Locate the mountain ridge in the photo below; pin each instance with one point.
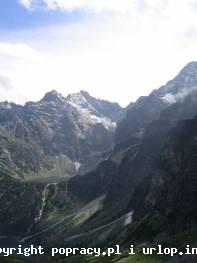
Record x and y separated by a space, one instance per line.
58 126
148 108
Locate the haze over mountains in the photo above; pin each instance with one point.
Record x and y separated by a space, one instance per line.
84 171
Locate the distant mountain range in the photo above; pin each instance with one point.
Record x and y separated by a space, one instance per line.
83 171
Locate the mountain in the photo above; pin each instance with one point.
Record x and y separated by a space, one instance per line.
141 191
148 108
155 155
42 144
78 120
148 195
55 135
128 199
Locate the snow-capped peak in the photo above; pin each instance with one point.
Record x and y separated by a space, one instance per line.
87 112
77 99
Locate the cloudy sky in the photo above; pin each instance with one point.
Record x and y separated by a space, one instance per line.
114 49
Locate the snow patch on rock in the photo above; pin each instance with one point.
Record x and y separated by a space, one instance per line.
77 165
129 218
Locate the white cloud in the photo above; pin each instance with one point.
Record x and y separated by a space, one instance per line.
96 6
127 49
130 7
180 96
5 83
26 3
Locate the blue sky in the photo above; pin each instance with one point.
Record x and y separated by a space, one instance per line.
114 49
13 16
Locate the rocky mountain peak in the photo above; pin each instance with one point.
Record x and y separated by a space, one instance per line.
188 75
190 68
148 108
84 101
184 81
77 99
84 93
53 96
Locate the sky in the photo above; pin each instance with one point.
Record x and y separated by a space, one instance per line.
115 49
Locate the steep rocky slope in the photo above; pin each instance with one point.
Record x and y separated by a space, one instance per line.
148 108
